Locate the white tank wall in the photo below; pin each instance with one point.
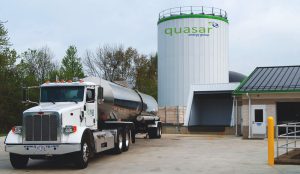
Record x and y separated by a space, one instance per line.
184 60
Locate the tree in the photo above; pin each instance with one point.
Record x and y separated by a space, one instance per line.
4 39
39 63
71 64
146 75
6 57
112 63
10 107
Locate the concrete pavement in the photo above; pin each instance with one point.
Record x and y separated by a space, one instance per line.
171 154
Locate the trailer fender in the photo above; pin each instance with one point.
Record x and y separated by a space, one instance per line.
13 138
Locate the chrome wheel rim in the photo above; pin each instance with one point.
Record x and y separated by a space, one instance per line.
158 131
127 140
85 152
120 142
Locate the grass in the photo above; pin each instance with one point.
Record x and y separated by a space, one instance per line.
1 135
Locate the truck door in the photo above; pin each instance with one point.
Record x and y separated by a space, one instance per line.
90 112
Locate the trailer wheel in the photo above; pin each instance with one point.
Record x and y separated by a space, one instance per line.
159 131
155 132
151 132
119 144
126 140
18 161
132 136
81 158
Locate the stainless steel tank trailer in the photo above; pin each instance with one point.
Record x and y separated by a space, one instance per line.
80 119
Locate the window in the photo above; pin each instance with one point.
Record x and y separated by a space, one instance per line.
90 95
62 94
259 115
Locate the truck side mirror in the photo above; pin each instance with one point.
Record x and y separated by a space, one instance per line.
24 95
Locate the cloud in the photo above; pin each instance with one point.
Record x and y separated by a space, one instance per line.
262 33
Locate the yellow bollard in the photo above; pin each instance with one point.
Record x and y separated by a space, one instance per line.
271 141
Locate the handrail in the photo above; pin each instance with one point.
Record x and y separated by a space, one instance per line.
291 136
192 10
287 134
284 145
288 124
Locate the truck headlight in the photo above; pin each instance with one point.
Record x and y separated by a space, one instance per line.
17 129
70 129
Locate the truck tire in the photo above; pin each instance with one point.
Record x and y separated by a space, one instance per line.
126 140
18 161
132 136
159 131
155 132
119 144
81 158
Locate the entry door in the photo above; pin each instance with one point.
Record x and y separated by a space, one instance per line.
258 120
90 113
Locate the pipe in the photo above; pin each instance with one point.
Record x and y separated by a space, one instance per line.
249 115
236 109
235 114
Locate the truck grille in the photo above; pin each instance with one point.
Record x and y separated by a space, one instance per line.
41 127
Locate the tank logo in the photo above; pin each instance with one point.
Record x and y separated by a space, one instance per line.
192 31
214 24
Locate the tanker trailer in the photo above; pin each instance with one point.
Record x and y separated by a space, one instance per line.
124 104
80 119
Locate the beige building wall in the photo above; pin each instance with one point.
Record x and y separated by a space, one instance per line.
269 100
172 115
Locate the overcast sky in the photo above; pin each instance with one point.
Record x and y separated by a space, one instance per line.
262 32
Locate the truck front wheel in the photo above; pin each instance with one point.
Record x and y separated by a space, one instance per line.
18 161
81 158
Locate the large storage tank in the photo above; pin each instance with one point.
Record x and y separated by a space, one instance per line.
192 49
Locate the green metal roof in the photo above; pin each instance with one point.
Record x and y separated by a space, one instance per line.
278 79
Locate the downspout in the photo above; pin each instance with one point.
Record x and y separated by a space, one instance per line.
235 114
249 115
236 111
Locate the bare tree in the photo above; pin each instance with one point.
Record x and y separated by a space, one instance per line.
90 66
112 63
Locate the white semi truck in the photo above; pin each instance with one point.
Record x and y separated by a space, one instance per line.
80 119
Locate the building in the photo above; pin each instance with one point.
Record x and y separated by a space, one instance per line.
268 91
193 66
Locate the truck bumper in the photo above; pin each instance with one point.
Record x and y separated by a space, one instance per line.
42 149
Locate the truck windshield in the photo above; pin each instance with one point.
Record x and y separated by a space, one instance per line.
62 94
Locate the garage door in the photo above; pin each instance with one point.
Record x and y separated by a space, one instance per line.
288 112
211 110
